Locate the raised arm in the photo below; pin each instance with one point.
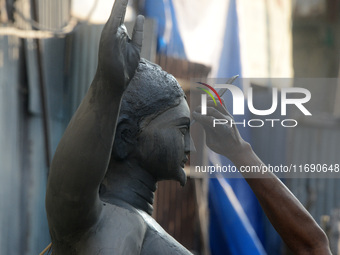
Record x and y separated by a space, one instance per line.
83 154
291 220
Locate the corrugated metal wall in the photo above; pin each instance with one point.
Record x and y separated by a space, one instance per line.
50 14
23 167
11 127
53 14
316 145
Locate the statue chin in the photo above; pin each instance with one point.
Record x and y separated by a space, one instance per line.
182 177
178 175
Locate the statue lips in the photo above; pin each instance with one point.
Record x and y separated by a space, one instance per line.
184 161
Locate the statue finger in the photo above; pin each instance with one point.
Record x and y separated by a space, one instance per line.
205 120
222 108
212 111
138 32
117 15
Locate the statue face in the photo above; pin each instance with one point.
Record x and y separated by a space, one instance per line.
164 143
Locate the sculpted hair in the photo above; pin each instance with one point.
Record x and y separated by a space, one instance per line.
150 92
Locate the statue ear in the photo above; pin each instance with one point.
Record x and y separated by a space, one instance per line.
125 139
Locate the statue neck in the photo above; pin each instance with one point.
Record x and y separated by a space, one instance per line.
129 184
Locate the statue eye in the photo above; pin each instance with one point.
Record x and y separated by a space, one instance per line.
184 129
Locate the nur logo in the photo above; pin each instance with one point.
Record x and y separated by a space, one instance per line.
204 96
239 99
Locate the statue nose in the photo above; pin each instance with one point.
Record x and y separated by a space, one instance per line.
189 145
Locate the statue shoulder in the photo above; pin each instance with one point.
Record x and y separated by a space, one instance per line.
157 240
122 219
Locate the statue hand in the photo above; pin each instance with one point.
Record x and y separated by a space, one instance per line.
118 54
223 139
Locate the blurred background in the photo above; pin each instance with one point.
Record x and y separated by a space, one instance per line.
48 57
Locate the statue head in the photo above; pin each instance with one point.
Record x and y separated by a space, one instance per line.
153 125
